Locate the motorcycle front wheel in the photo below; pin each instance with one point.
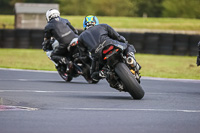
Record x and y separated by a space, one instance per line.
65 76
131 84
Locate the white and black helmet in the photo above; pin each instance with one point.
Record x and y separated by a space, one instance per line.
52 13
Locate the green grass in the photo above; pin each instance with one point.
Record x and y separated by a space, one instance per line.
127 23
33 59
169 66
164 66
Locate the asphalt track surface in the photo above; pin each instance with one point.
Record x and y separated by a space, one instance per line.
41 102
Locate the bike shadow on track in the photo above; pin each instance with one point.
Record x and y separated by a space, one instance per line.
99 96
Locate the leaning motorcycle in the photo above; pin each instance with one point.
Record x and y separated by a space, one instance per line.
78 66
120 73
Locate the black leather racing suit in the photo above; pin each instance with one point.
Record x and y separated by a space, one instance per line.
63 32
91 38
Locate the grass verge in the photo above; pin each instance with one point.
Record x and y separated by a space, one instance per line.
164 66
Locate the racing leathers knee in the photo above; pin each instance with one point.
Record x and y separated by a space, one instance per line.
59 54
94 69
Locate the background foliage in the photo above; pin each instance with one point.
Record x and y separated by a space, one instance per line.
133 8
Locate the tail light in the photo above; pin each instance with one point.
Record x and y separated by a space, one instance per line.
107 50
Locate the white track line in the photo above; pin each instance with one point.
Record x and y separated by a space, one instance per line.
170 79
11 69
40 91
126 109
90 92
13 108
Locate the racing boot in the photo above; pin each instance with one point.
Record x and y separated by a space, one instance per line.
96 76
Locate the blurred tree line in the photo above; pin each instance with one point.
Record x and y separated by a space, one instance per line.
131 8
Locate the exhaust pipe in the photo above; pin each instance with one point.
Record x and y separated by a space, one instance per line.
131 61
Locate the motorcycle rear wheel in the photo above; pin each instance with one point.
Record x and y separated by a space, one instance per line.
128 79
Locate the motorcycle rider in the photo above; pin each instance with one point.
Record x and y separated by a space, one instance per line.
95 34
198 56
61 30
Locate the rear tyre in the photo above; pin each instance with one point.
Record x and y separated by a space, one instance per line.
128 79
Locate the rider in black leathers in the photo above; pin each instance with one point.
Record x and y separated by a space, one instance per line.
61 30
96 34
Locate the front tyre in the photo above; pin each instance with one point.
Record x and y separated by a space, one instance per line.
128 79
65 76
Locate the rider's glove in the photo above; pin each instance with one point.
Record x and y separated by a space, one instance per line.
122 39
45 45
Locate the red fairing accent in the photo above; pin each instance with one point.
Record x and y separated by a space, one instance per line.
106 51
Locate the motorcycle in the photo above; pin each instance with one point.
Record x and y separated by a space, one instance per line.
77 66
118 69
